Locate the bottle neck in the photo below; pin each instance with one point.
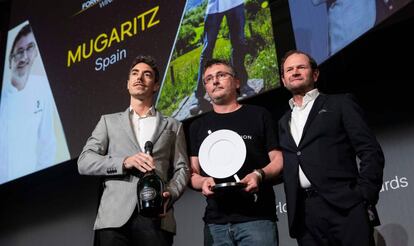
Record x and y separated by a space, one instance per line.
148 173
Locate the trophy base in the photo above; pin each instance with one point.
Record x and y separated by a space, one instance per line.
228 186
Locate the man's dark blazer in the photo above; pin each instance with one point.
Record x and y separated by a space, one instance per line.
335 133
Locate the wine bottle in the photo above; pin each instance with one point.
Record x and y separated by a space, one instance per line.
150 189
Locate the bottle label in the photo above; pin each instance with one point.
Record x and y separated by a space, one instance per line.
147 194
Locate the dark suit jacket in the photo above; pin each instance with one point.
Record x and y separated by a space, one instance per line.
334 134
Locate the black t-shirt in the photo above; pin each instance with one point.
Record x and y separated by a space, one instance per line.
256 127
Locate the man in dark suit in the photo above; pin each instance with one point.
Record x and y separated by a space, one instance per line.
115 151
330 195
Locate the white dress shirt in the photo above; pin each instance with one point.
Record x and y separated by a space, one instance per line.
144 126
297 123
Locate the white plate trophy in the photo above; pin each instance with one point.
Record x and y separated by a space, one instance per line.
221 155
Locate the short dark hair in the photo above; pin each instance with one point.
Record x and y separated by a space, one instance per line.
150 61
26 30
211 62
312 61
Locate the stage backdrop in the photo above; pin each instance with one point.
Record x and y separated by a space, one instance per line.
87 46
395 206
60 207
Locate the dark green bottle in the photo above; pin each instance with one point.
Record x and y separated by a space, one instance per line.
150 200
150 189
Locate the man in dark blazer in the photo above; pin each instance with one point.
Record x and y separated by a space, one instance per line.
116 151
330 195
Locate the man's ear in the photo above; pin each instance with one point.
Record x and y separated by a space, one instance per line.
237 81
315 75
283 81
156 86
36 53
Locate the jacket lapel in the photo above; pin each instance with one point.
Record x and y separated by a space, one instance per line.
126 125
160 123
285 127
317 105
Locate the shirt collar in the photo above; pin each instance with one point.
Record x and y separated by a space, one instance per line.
150 113
309 96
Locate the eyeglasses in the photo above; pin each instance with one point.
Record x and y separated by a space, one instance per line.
20 52
219 75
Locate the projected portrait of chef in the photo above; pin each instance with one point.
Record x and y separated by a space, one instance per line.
31 134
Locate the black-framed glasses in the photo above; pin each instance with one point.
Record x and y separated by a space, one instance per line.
219 75
19 54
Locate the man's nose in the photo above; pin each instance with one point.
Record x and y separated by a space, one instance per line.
295 72
25 56
215 80
140 76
